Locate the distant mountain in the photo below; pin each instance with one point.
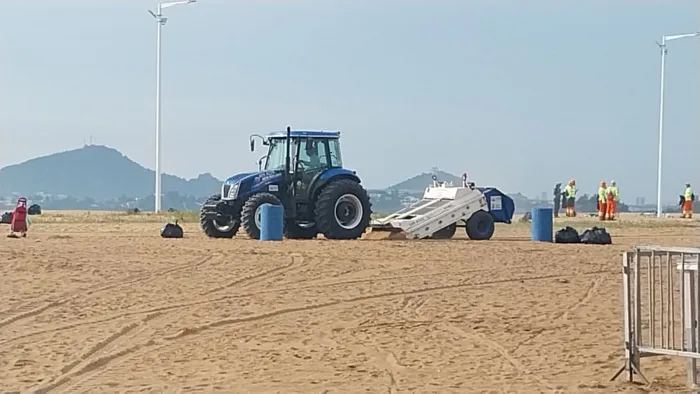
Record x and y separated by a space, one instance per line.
96 172
99 177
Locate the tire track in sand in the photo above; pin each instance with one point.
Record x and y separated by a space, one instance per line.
81 293
120 345
98 355
111 361
312 284
495 346
284 311
563 315
296 260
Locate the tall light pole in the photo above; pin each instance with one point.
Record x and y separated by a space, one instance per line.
662 45
160 20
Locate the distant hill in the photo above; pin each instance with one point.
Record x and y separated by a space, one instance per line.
96 172
99 177
419 182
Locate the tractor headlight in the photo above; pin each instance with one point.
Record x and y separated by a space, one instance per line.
233 191
229 191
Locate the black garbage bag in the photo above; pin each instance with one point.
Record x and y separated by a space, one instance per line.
596 236
681 200
172 230
34 209
567 235
6 218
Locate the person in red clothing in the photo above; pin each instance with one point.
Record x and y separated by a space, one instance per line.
19 219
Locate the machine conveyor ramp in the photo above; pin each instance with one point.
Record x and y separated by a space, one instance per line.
442 205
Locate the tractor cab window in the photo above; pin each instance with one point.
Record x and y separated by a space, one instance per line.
276 154
313 155
334 148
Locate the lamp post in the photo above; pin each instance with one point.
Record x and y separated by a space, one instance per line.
160 20
662 45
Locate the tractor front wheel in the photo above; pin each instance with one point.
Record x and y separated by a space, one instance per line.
250 214
343 210
216 228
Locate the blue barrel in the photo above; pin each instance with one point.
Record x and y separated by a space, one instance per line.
542 226
271 222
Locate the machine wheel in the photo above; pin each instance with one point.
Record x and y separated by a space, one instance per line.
343 210
295 230
250 214
445 233
480 226
214 228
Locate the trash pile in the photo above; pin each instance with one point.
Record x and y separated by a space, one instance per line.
172 230
592 236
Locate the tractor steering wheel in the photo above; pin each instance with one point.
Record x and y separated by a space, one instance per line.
303 164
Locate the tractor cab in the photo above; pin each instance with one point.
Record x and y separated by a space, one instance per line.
311 153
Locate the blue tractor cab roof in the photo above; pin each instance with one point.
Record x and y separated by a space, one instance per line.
305 134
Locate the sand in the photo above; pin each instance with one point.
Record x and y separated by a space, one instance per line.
112 307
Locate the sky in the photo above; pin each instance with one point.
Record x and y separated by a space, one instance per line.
518 94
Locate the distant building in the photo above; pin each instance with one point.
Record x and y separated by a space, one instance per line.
639 201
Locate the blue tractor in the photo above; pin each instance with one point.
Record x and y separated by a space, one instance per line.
303 171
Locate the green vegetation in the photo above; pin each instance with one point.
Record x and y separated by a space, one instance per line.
69 217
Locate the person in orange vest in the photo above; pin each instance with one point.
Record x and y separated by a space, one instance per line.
602 201
688 202
613 197
570 193
19 222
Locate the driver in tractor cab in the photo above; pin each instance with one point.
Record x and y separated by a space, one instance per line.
312 152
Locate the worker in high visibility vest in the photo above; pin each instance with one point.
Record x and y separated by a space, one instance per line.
570 193
612 196
602 190
557 199
688 202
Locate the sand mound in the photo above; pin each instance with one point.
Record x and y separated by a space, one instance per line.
378 235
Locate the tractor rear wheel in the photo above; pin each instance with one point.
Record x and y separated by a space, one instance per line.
250 214
215 228
445 233
343 210
480 226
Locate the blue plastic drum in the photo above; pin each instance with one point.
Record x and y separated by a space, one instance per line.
271 222
542 225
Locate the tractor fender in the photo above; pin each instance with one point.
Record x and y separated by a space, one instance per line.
328 176
501 207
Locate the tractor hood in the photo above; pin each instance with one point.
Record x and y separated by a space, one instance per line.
256 177
240 185
238 177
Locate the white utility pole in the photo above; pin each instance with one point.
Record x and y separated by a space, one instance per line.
664 40
160 20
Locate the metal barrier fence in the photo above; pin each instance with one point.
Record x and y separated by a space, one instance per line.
661 307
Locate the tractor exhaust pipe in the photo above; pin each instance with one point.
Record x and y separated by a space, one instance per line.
287 159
